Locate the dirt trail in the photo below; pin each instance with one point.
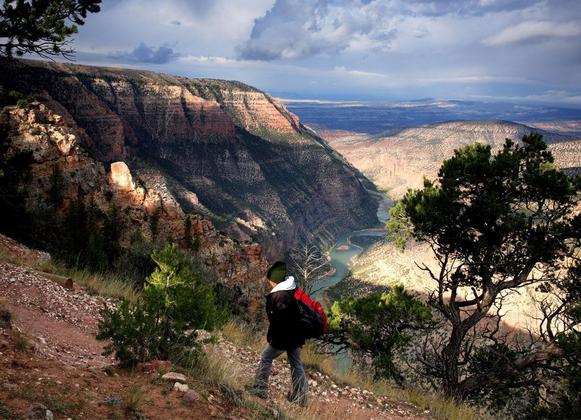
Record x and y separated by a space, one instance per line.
328 399
51 356
61 322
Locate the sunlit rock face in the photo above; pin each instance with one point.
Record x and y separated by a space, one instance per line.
402 160
121 176
223 149
53 147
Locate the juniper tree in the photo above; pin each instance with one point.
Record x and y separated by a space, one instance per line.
496 223
41 26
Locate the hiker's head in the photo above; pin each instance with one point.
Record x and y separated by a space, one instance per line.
276 272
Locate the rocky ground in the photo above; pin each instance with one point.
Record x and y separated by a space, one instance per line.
51 366
328 399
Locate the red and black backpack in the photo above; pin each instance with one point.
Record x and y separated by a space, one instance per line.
313 319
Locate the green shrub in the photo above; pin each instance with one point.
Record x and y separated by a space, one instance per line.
174 303
375 325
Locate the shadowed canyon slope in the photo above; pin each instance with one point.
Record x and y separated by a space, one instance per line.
400 161
222 149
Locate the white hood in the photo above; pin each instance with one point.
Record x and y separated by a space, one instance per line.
287 284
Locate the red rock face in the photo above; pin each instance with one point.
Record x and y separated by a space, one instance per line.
216 147
137 195
256 111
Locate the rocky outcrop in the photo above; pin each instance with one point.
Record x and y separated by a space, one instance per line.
220 149
402 160
55 148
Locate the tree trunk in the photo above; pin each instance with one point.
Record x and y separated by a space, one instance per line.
450 355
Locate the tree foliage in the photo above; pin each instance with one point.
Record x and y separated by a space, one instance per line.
173 305
41 26
496 223
376 325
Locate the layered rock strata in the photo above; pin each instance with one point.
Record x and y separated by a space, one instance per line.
223 149
54 145
402 160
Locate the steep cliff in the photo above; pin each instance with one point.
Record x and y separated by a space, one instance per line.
223 149
53 146
401 161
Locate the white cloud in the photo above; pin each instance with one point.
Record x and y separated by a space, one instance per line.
296 29
534 31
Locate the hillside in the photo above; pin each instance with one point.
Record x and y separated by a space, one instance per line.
400 161
50 360
222 149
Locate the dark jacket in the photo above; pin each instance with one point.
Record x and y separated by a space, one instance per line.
284 320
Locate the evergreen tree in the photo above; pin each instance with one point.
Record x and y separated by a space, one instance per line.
173 305
376 325
495 223
41 26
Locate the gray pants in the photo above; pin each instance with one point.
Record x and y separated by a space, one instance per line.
300 385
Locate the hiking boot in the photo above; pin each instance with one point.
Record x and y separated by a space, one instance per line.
259 391
295 399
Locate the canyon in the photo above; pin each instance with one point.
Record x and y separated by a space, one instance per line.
219 150
402 159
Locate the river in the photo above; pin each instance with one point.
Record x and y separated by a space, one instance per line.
344 250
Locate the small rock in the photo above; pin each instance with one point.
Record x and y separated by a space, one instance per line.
191 396
175 377
181 387
38 411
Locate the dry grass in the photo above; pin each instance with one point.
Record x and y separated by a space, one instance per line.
439 406
241 333
104 284
21 342
133 399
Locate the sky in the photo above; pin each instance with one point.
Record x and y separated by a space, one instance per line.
374 50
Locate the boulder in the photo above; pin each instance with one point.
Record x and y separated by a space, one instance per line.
175 377
181 387
191 396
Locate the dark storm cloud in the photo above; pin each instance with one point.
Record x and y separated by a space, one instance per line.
145 54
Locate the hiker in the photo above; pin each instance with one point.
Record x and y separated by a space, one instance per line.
284 334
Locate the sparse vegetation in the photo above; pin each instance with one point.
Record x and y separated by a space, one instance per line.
133 399
376 325
5 318
174 303
498 223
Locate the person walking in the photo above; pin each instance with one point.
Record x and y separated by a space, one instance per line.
284 335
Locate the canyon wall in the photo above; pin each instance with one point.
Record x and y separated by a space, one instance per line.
402 160
54 145
224 150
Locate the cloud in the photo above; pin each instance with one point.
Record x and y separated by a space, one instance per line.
421 32
145 54
463 7
297 29
528 32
